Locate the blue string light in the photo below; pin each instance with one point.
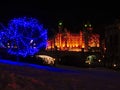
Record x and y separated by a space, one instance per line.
2 36
25 36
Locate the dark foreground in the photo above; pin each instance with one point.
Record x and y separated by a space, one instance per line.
35 77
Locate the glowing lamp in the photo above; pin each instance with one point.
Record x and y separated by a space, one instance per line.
60 24
83 46
85 25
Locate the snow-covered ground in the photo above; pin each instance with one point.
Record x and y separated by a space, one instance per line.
23 76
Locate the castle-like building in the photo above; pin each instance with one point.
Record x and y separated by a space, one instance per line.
64 40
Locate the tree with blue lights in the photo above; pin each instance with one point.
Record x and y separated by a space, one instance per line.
2 35
25 36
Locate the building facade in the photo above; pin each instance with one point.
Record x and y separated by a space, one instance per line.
85 40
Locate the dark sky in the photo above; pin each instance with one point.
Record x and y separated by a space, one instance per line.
73 14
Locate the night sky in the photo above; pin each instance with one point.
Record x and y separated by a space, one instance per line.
73 14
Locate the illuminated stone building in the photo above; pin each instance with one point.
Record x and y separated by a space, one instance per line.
64 40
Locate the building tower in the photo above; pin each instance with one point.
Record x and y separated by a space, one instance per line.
87 30
60 28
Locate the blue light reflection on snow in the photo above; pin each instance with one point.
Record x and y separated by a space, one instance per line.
48 68
100 73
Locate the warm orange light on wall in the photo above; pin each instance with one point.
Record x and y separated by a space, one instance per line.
72 42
